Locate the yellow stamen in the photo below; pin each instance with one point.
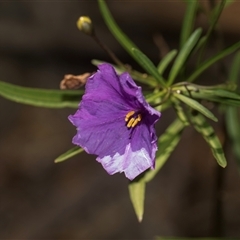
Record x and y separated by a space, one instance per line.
132 120
137 120
131 113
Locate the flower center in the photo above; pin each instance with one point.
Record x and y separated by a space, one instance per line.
132 119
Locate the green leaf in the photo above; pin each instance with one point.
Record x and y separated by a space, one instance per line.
222 93
126 43
212 60
202 126
179 110
137 196
233 129
200 44
214 17
189 20
166 60
40 97
70 153
183 54
235 67
196 105
229 2
224 101
149 67
213 94
232 114
166 144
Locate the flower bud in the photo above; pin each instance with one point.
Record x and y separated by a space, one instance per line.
85 25
74 81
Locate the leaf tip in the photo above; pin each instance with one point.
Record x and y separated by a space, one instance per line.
223 165
140 218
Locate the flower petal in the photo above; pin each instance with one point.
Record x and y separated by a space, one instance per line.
100 131
132 163
105 85
101 125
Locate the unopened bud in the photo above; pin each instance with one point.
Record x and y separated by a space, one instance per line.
85 25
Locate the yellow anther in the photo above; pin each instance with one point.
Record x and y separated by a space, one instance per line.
131 121
131 113
137 120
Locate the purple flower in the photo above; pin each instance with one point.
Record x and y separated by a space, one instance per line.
115 122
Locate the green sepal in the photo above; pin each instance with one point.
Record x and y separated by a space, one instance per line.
70 153
41 97
206 130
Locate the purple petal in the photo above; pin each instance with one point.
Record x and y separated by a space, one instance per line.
101 126
132 163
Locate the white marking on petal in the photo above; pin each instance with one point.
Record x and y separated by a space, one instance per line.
132 163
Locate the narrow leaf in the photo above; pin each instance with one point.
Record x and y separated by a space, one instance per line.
196 105
213 60
202 126
214 17
224 101
234 71
70 153
179 110
137 196
166 61
166 144
229 2
232 114
126 43
189 20
149 67
233 129
40 97
183 54
213 93
222 93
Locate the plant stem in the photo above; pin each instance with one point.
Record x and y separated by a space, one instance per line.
108 51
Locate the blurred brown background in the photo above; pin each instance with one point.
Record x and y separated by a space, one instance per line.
39 44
